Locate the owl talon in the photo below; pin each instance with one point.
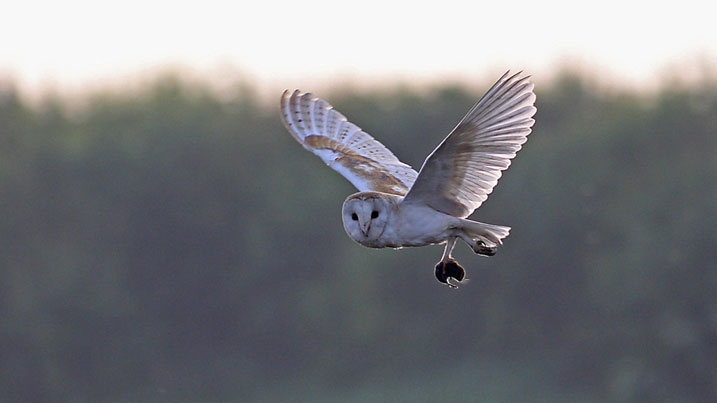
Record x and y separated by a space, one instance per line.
449 269
482 249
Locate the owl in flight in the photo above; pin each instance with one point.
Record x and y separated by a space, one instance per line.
395 205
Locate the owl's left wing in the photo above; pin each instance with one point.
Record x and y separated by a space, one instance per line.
461 172
343 146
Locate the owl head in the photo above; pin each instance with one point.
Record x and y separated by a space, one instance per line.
365 216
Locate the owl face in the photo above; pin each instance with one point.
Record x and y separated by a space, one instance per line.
365 216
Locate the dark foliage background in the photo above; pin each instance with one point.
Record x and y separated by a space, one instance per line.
173 244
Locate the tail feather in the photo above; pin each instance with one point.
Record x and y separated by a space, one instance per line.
485 232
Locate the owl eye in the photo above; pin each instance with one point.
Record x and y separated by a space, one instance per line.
354 216
374 214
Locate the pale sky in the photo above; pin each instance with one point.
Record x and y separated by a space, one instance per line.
72 44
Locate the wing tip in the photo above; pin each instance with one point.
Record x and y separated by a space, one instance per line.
289 105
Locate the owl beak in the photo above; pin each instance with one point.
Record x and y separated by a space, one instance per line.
365 228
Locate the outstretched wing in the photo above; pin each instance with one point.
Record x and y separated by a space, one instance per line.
343 146
460 173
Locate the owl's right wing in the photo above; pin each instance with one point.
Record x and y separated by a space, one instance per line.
343 146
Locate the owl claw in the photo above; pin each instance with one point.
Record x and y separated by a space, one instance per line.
482 249
449 269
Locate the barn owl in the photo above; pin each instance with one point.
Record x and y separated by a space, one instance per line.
398 207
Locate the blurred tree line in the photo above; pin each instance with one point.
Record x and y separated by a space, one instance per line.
176 244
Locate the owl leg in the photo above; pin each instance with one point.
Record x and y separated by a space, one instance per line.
448 249
448 268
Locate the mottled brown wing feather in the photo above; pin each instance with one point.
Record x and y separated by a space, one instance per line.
343 146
